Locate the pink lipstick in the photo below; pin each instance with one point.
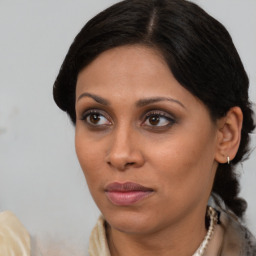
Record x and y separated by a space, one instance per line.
126 193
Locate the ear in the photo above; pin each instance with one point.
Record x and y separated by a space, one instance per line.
229 135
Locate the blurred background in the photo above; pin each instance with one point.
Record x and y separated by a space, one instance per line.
40 178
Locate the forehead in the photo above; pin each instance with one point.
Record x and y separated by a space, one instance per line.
129 73
127 65
126 60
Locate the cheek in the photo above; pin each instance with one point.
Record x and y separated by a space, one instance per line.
89 156
90 161
186 161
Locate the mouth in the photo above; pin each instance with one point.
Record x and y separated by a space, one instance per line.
125 194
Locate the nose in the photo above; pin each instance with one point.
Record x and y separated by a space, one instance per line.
125 150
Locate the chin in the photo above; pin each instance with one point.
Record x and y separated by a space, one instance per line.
131 222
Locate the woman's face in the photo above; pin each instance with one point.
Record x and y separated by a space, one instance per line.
146 145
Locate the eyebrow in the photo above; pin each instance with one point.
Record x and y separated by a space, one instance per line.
139 103
94 97
145 102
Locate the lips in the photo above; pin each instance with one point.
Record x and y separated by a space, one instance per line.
126 194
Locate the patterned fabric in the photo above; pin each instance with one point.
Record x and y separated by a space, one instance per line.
230 238
14 239
236 239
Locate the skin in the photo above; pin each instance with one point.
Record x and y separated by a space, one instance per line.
170 145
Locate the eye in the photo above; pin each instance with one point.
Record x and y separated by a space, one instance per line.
96 118
158 119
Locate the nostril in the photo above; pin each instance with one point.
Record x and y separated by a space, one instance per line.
121 166
128 164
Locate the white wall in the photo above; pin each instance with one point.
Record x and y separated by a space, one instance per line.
40 178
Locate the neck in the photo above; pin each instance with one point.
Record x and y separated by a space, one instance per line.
180 239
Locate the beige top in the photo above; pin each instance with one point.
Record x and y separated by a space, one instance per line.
14 238
230 238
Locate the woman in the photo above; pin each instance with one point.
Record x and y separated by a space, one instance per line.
159 99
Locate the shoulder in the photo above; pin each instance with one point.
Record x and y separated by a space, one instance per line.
236 236
237 240
14 238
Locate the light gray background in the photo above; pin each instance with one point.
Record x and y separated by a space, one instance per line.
40 178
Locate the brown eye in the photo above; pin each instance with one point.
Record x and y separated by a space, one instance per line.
158 120
154 120
94 118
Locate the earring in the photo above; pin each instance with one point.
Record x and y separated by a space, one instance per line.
228 159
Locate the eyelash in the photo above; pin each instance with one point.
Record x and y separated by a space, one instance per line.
170 120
